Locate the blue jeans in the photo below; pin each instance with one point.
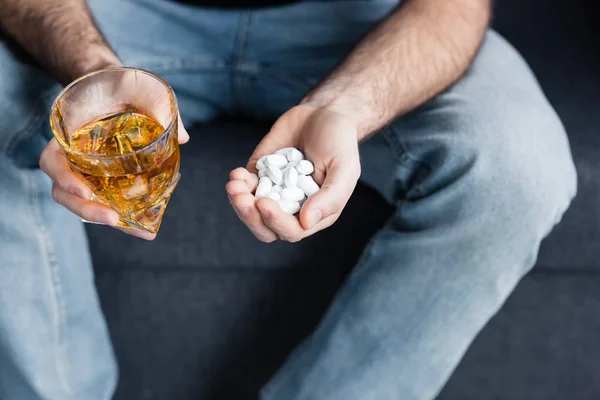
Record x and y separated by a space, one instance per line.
478 176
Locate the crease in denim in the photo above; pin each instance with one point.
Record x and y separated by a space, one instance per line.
31 127
55 285
286 77
193 64
237 79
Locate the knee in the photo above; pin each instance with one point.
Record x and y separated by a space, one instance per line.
523 168
507 139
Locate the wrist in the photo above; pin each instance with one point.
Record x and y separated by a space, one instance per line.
352 111
96 59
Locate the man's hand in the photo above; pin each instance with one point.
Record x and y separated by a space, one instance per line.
328 138
62 36
70 190
416 52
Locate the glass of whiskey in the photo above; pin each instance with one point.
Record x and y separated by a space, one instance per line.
118 127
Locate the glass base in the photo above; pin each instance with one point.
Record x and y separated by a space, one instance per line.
147 220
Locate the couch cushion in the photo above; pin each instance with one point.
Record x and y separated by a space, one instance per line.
209 333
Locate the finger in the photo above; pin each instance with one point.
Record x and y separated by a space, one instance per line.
284 225
236 187
88 210
138 233
245 208
242 174
239 191
285 228
182 134
54 163
324 223
337 188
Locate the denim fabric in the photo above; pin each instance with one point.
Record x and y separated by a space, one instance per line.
478 176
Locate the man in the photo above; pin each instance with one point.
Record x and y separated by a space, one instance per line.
418 99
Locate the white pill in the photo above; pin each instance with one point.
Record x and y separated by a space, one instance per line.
308 185
264 187
291 164
275 174
290 177
292 194
276 160
262 173
289 207
284 151
277 188
295 155
274 195
260 164
305 167
265 180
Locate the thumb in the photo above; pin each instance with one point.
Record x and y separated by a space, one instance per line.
337 188
182 133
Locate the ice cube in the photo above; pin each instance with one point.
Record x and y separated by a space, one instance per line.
125 147
96 136
118 123
138 188
134 135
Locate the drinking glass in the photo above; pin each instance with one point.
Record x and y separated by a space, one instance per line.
118 127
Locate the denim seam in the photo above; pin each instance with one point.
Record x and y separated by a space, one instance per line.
35 121
238 57
400 150
285 77
182 64
55 285
179 65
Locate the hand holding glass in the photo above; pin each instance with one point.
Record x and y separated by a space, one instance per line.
118 128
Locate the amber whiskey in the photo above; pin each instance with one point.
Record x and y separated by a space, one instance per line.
130 162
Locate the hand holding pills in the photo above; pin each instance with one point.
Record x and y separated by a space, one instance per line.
285 177
300 176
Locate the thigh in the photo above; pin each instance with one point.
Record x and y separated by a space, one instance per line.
51 326
493 127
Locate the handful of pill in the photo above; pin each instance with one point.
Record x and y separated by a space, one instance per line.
285 177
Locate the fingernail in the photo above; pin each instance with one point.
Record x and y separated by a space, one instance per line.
314 217
91 222
185 135
146 235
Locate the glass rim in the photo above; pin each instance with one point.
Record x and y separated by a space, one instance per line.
70 86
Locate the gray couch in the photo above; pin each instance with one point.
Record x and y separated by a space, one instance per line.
207 312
